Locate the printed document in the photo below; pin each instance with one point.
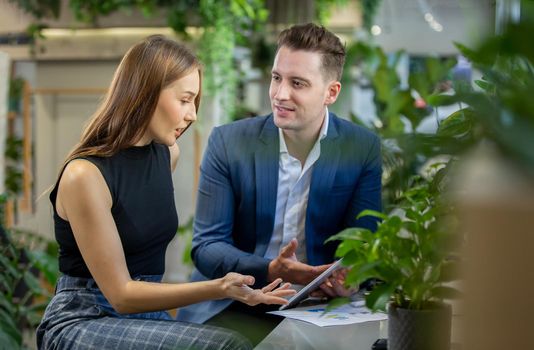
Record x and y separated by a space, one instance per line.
355 312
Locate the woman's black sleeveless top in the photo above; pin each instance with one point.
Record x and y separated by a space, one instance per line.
140 183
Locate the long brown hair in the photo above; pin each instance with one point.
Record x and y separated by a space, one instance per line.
123 117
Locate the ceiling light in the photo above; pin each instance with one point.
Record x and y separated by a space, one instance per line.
376 30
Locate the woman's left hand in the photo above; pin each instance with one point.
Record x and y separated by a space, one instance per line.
236 286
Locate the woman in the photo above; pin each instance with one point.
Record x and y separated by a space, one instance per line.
114 216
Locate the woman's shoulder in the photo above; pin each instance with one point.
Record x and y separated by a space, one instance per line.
80 172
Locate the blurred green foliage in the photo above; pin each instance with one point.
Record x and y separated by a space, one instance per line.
413 250
24 258
404 149
501 108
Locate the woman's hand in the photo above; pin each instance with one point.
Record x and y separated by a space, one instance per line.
236 286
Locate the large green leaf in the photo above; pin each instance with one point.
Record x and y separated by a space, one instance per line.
9 340
47 264
379 297
457 124
32 282
374 213
9 327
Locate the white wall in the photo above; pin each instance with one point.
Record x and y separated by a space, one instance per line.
404 27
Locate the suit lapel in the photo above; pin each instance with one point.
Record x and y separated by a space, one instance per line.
266 160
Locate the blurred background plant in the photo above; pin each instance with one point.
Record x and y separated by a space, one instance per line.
411 252
185 231
224 24
13 150
400 109
500 109
28 272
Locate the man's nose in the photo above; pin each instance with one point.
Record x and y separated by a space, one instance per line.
282 92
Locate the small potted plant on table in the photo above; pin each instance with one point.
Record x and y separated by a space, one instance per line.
411 255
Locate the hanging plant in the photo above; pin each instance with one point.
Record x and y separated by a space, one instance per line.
225 24
323 9
369 10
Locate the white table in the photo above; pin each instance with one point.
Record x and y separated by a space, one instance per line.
300 335
293 334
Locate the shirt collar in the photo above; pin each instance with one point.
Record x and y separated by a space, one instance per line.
322 134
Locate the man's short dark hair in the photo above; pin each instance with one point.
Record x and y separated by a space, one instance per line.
314 38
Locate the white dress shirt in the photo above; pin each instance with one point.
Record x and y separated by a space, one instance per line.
292 197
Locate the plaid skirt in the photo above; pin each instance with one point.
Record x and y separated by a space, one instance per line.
80 317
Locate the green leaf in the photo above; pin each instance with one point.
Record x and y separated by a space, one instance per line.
379 297
468 53
354 233
32 282
442 100
457 124
8 339
47 264
348 246
362 272
374 213
485 85
9 329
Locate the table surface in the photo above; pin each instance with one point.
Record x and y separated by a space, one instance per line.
300 335
296 334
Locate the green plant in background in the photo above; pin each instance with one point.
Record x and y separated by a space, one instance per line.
13 155
502 109
404 149
228 24
412 252
224 23
323 8
369 10
13 151
23 258
186 231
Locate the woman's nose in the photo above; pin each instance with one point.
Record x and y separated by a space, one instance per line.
192 115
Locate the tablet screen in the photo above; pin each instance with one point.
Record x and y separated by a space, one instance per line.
310 287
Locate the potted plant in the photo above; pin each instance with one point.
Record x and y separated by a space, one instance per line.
412 255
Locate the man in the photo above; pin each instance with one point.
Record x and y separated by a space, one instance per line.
274 188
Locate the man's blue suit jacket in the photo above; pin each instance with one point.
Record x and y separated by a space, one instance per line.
237 199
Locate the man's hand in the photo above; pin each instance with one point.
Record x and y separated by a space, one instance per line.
288 268
334 286
236 286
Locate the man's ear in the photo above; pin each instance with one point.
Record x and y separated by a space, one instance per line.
332 92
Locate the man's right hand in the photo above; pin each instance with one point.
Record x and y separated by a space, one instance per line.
288 268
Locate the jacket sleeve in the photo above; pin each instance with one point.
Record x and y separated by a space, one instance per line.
213 250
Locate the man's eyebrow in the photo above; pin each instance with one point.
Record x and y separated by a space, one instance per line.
293 77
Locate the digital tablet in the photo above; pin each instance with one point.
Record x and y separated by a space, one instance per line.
310 287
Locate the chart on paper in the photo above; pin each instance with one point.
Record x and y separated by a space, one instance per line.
355 312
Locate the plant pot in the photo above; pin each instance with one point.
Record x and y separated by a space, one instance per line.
419 329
